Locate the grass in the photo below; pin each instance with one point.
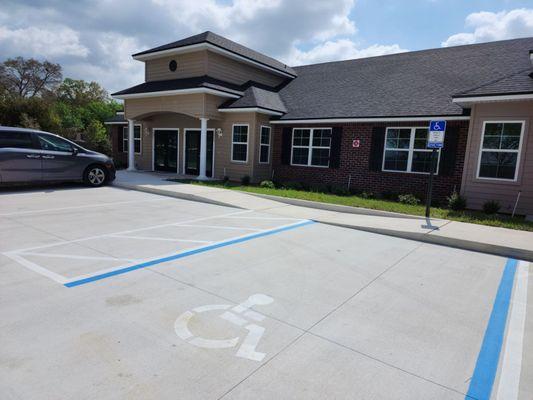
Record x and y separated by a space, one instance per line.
473 217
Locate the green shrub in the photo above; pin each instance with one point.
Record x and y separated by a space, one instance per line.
368 195
409 199
456 202
389 195
245 180
491 207
268 184
341 191
293 186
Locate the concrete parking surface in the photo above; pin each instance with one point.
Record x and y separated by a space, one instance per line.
115 294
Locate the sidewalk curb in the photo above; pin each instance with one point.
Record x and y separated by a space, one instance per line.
334 207
176 195
503 251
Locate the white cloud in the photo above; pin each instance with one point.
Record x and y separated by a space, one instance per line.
490 26
94 39
49 41
341 49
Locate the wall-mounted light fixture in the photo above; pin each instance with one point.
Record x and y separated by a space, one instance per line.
219 132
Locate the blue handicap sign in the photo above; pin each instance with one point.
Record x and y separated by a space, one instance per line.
437 126
436 134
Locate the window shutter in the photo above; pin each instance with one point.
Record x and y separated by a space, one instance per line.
286 145
449 152
120 133
335 153
376 148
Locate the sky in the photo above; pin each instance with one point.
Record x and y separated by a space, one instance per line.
94 39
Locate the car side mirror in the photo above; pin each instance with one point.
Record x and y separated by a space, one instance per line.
75 151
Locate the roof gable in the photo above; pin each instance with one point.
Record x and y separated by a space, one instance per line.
224 44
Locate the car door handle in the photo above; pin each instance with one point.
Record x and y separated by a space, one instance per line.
33 156
49 157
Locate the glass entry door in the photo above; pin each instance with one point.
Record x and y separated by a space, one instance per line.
192 152
166 150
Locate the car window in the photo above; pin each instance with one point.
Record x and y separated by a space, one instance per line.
54 143
16 139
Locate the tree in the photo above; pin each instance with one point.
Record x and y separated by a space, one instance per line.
81 93
28 78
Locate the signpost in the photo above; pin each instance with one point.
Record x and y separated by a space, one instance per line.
435 142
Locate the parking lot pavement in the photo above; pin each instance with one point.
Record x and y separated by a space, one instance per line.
108 293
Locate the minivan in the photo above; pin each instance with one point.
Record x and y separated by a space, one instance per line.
33 156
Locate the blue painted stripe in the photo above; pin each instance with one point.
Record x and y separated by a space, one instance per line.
487 362
184 254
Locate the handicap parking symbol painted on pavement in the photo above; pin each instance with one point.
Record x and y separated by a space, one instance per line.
239 315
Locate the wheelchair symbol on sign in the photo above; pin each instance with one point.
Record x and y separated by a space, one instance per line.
239 315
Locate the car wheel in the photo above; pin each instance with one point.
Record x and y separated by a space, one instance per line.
95 175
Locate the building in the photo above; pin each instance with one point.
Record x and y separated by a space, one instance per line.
210 107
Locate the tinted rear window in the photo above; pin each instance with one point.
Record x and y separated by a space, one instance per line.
15 139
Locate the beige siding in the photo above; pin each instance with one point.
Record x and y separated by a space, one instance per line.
262 171
189 65
195 105
233 71
478 191
223 164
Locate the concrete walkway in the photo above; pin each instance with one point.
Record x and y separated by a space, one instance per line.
492 240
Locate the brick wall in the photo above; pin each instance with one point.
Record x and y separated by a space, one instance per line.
354 162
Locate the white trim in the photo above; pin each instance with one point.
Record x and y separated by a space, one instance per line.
213 48
116 123
261 144
310 147
258 110
410 151
125 150
185 147
373 119
177 146
176 93
120 112
518 151
247 143
481 99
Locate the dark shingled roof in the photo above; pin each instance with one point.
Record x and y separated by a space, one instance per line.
116 119
519 83
258 97
226 44
419 83
185 83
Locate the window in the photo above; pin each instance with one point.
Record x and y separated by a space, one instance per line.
500 150
20 140
54 143
311 147
239 143
136 137
406 150
264 145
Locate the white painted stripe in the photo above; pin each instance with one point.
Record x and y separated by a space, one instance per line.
76 257
126 232
264 218
162 239
512 359
261 300
37 268
235 228
47 210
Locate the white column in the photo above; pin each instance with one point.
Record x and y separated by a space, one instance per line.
203 148
131 146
